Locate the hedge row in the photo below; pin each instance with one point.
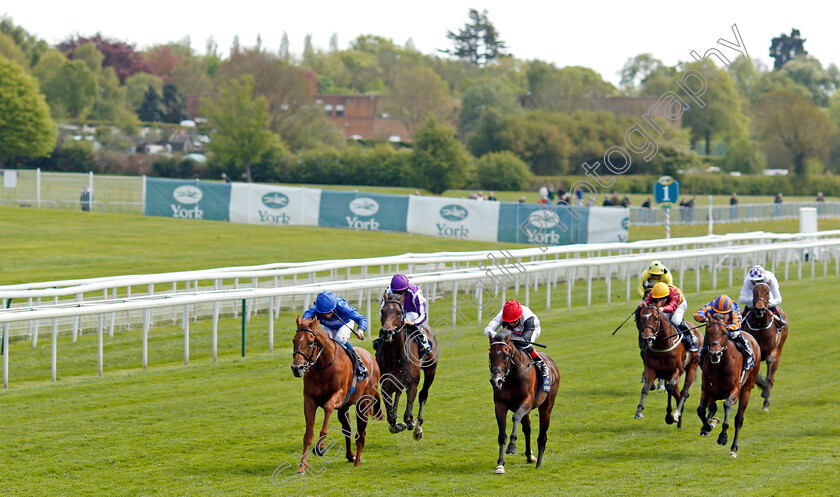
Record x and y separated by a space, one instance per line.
710 184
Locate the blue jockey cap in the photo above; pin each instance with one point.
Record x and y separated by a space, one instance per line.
325 302
399 283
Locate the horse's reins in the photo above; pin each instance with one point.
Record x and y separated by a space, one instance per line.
656 331
510 361
402 325
766 303
309 361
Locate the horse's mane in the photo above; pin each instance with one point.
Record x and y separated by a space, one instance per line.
312 324
392 297
718 317
501 335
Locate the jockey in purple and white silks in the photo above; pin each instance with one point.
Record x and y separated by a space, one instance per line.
757 274
416 310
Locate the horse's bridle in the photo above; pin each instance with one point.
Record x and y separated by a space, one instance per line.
725 339
508 366
402 325
309 360
756 301
658 322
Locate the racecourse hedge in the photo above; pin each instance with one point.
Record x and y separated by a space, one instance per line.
712 184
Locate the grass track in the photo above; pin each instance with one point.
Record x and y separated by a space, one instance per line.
223 428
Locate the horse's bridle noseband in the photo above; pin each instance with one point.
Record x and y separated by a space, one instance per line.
510 363
309 360
725 337
658 323
756 301
402 324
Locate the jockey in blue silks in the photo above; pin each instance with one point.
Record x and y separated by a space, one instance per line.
336 316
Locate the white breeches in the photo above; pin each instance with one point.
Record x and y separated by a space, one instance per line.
340 335
677 316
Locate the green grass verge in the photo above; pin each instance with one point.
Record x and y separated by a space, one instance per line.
223 428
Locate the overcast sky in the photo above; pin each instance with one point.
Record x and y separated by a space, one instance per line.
597 34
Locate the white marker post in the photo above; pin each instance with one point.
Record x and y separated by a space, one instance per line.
667 221
711 217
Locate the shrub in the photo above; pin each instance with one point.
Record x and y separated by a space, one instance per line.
502 171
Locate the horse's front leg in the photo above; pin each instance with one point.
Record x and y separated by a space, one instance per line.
649 377
392 400
501 415
701 413
309 408
727 408
410 395
526 430
673 388
517 418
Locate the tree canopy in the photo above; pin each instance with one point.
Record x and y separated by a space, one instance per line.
478 41
26 129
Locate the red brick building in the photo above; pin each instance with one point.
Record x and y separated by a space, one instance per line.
362 116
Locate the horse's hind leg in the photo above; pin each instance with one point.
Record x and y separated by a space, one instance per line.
361 428
347 430
772 364
526 431
649 375
501 415
727 408
690 372
545 420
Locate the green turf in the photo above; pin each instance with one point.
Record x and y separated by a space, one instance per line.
223 428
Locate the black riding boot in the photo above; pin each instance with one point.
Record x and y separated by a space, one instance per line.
545 386
746 350
688 337
422 342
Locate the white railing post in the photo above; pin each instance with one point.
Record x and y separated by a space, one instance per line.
147 318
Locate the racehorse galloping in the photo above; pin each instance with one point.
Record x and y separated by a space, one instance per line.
328 383
666 357
722 367
766 330
516 388
399 362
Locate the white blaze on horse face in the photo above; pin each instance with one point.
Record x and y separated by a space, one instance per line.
647 315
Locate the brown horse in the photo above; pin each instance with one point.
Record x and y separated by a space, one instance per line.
399 361
722 368
516 388
666 357
771 337
328 383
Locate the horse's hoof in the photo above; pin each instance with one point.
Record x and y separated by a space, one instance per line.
669 419
530 459
301 471
733 454
411 424
319 451
500 470
397 428
638 415
511 450
714 422
418 433
704 433
722 440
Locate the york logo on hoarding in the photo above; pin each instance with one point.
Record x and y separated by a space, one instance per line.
364 206
625 223
453 212
188 194
268 217
543 219
275 200
358 224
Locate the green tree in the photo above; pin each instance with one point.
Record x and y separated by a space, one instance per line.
478 41
795 125
745 76
136 87
418 94
502 171
12 52
636 70
721 117
76 87
784 48
173 104
91 56
808 72
567 90
26 129
439 158
240 122
151 109
481 96
32 47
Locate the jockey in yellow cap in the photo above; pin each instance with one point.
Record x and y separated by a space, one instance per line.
655 273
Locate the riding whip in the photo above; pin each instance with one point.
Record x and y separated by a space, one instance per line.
622 323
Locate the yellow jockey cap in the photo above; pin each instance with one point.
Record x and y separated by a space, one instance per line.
660 290
656 267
